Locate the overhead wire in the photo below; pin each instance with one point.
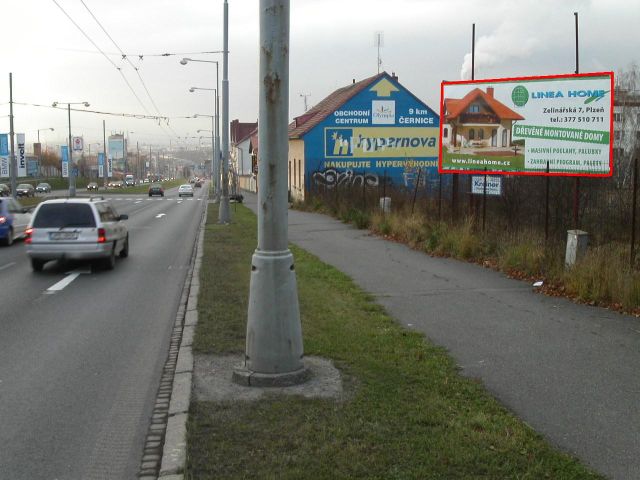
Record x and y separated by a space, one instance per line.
124 56
159 117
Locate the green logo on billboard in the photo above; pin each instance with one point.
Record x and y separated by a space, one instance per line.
520 96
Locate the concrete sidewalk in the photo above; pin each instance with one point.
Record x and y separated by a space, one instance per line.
570 371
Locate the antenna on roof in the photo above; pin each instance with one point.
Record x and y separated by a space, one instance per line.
305 96
379 43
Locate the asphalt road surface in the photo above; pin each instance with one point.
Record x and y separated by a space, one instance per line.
81 351
570 371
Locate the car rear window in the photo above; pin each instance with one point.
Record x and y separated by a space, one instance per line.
62 215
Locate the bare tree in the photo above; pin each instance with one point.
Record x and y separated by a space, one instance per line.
626 122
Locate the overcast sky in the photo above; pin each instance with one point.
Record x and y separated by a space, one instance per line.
332 42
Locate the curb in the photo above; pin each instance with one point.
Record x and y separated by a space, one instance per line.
166 441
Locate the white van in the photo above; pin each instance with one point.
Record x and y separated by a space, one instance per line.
129 181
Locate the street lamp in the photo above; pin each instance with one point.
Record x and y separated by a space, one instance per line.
42 130
215 153
224 155
72 173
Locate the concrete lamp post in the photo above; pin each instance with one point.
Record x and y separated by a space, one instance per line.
223 151
274 350
215 160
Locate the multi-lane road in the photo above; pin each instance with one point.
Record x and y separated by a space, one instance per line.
82 350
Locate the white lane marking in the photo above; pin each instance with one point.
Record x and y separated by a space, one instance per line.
11 264
138 201
160 215
64 282
179 202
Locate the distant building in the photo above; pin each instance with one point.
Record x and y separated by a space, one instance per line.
244 153
363 134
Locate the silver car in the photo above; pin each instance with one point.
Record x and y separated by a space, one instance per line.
185 190
76 229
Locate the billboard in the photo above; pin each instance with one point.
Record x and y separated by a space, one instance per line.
64 154
20 155
383 133
4 155
116 154
528 125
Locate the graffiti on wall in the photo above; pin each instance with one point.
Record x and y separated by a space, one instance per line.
330 178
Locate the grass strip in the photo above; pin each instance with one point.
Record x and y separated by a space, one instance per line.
408 413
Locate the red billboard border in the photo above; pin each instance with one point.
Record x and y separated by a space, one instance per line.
511 79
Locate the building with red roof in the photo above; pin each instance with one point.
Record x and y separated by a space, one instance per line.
361 135
478 120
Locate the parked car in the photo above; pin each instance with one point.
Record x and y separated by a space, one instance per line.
5 190
25 190
92 186
43 188
14 219
156 189
76 229
185 190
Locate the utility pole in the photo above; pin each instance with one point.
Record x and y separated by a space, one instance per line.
104 152
274 349
14 163
72 176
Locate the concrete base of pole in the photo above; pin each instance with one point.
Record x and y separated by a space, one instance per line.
247 378
224 214
274 348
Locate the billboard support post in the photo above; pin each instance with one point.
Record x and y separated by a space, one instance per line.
415 191
576 190
633 212
546 207
484 200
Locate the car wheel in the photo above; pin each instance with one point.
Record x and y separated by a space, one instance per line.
110 262
9 240
124 253
37 264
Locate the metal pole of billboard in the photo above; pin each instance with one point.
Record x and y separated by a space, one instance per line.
484 201
415 191
274 350
576 190
473 50
439 198
14 163
633 212
546 206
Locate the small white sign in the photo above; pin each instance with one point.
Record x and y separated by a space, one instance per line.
65 169
78 144
383 112
494 185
